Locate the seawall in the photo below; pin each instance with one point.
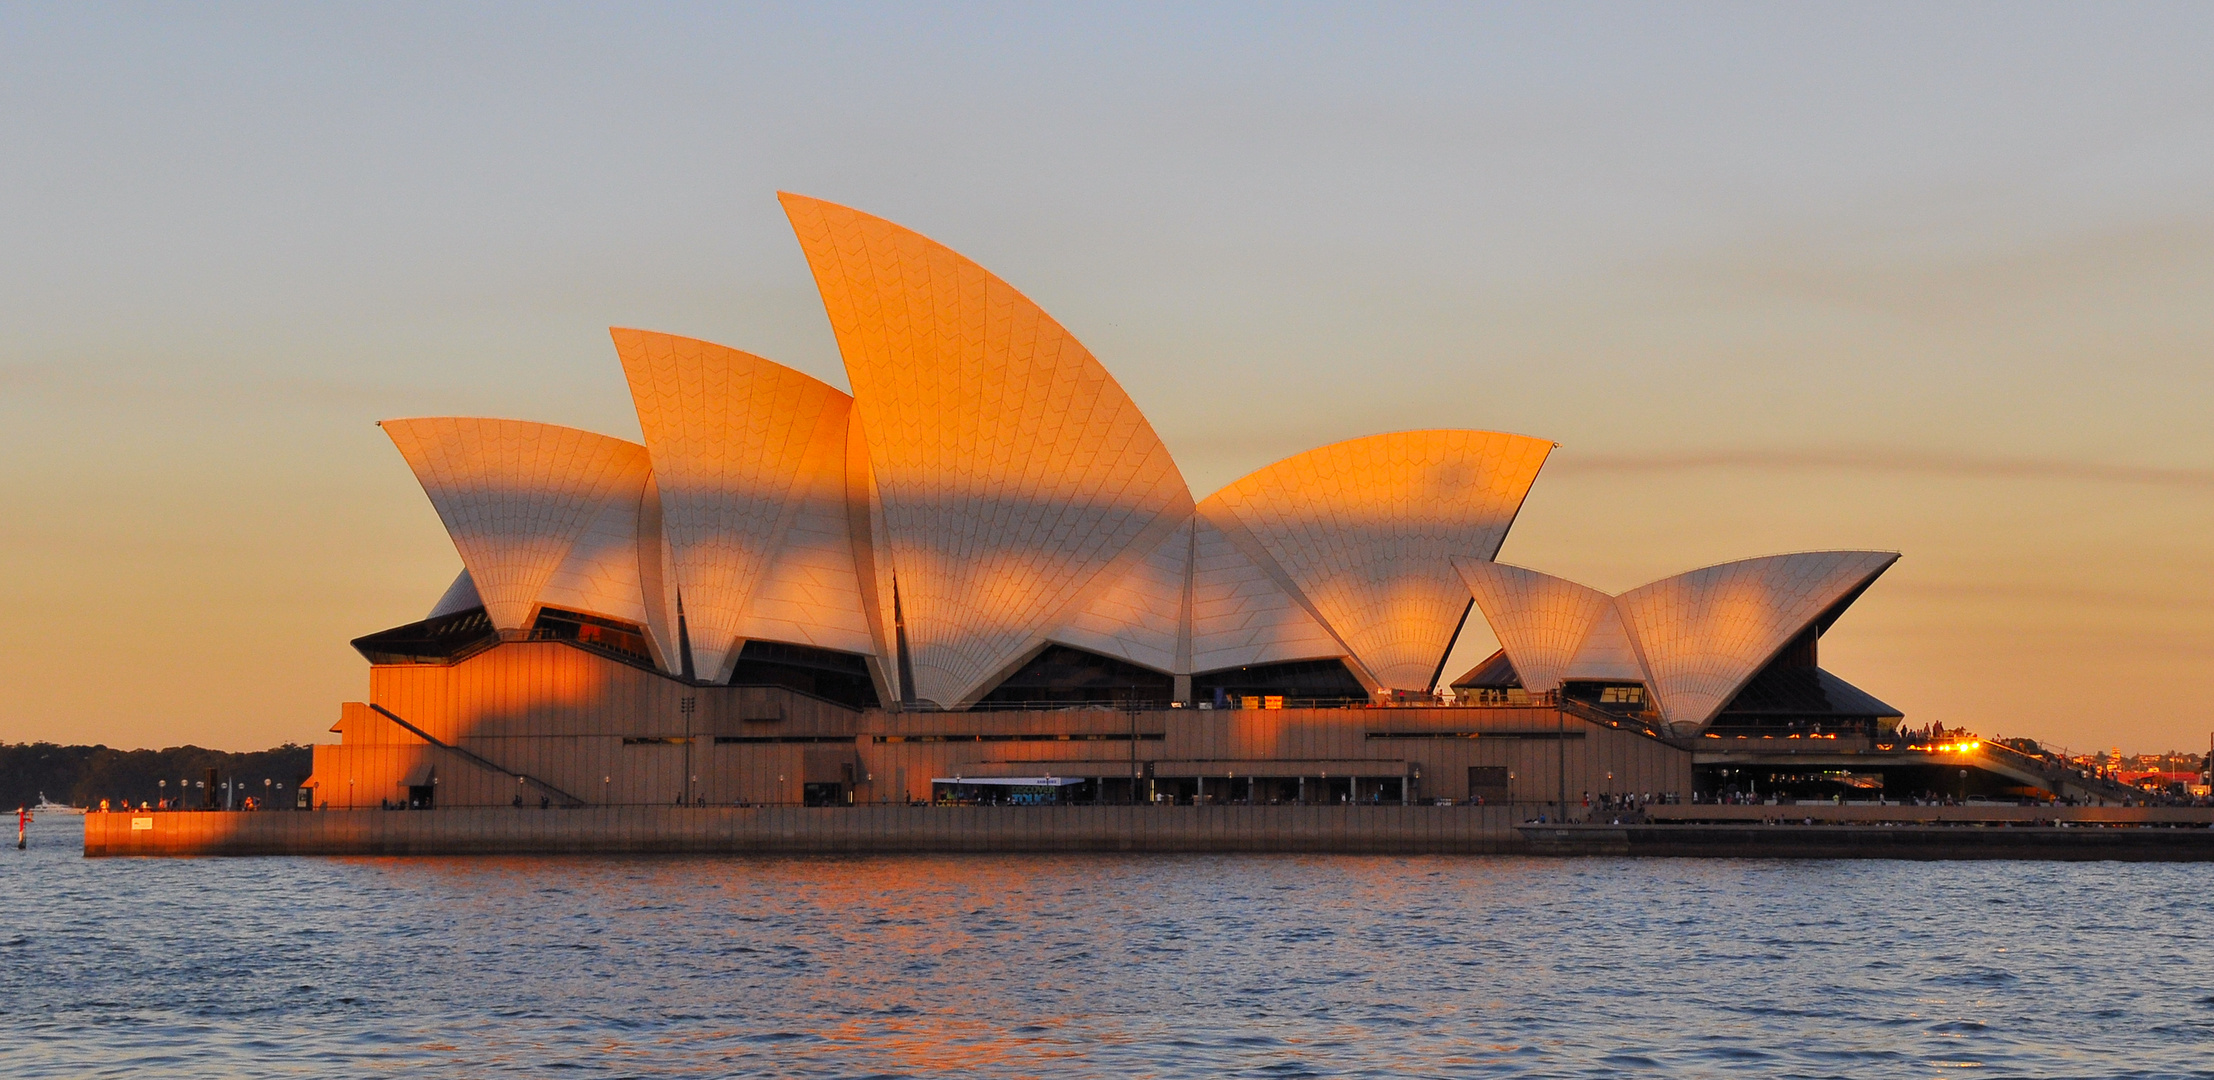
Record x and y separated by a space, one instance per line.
894 829
2137 833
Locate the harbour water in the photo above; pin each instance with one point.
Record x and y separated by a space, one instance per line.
1099 966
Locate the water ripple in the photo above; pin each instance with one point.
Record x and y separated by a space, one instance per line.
1162 966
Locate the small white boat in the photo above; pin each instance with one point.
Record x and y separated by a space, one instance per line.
49 806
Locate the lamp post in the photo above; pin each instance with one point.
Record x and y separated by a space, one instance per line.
686 705
162 787
1560 749
1132 702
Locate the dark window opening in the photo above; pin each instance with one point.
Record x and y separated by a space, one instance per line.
1143 736
617 640
1495 673
443 640
1299 683
779 740
839 677
906 662
1488 783
1555 736
1624 698
824 795
1061 675
1788 698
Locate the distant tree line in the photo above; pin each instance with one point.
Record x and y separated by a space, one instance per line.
84 775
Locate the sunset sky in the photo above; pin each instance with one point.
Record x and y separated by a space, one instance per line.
1937 279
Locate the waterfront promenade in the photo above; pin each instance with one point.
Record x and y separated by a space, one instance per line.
870 829
1753 831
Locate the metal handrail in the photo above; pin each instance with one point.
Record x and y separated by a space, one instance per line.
1586 711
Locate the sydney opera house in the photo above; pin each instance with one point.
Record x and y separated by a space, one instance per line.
981 577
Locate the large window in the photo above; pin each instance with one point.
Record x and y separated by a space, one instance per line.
825 673
442 640
1300 683
609 637
1061 676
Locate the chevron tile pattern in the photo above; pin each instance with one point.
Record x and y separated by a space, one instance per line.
1541 620
1010 468
1367 531
518 498
749 458
1704 633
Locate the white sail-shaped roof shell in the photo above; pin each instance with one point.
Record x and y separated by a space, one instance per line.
750 465
1243 612
539 513
1704 634
600 574
458 597
1607 654
1366 530
1141 615
1014 479
1540 620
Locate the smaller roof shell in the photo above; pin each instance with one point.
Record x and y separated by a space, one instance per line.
517 498
1694 639
749 463
1365 532
1541 620
1705 633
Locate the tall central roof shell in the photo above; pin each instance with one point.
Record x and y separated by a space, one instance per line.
1014 479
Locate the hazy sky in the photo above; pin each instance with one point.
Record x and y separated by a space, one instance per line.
1933 278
